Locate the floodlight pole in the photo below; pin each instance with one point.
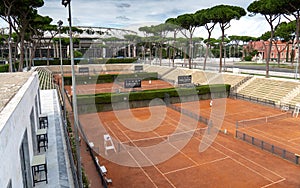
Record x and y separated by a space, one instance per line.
298 59
74 98
59 23
10 50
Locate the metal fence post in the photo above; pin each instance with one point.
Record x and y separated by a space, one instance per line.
297 158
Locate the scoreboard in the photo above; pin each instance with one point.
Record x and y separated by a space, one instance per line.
138 67
185 79
132 83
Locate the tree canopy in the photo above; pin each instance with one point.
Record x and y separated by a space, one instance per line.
272 11
223 14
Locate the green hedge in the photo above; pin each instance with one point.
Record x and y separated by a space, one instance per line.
109 78
56 61
106 98
4 68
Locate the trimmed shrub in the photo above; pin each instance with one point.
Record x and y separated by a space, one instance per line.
248 58
4 68
56 61
106 98
110 78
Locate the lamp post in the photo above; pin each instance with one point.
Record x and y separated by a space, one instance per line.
59 23
298 58
74 98
10 53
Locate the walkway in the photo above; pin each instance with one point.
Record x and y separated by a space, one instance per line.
59 171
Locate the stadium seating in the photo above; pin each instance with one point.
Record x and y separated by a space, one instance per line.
268 88
161 70
45 78
173 75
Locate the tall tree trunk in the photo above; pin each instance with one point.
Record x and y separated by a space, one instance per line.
298 45
10 49
221 50
160 54
190 51
269 53
22 42
174 49
207 50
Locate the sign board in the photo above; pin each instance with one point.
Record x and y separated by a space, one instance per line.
83 70
138 67
132 83
185 79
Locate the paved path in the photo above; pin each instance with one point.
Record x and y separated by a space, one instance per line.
59 171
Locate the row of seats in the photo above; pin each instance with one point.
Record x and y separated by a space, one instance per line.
198 76
45 78
268 88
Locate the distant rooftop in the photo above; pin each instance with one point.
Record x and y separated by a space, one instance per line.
10 83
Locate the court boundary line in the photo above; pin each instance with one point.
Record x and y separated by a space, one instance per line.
201 164
226 148
251 161
146 157
294 139
267 136
146 174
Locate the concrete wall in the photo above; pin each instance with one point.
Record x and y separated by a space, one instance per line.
14 123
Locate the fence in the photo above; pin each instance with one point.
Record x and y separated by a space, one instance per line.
253 99
92 154
262 120
95 159
68 142
292 157
191 114
234 88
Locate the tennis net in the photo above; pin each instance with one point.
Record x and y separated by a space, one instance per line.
151 141
262 120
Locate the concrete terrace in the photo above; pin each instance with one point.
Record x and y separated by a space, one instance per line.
10 85
59 170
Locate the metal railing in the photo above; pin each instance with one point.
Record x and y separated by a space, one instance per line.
280 152
253 99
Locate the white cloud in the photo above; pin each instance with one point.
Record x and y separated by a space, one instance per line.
131 14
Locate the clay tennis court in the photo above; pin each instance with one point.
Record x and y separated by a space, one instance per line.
118 87
228 162
284 133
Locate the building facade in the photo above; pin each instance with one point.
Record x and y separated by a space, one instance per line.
20 108
282 51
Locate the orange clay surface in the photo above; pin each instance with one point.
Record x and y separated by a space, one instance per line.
227 162
117 87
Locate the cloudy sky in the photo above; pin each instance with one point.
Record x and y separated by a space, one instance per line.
132 14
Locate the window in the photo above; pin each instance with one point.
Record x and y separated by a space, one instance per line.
33 128
25 161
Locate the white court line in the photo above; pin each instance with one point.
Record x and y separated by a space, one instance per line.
181 169
271 138
230 158
242 156
145 157
294 139
273 183
146 174
244 164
